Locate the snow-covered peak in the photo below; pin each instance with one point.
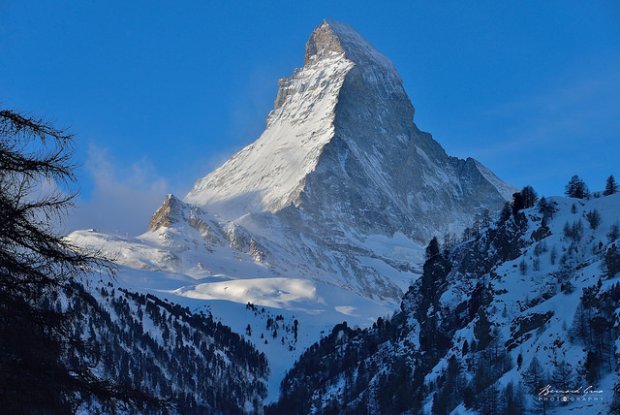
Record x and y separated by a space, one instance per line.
333 38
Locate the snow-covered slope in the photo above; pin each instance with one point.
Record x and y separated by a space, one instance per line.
522 318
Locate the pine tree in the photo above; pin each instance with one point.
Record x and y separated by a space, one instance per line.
591 367
577 188
562 377
513 402
432 250
594 219
38 264
453 385
612 261
611 186
534 377
545 208
517 203
505 213
614 232
529 197
482 330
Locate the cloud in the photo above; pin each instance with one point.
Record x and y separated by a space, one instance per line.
123 198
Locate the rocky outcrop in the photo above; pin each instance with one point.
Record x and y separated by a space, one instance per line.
167 214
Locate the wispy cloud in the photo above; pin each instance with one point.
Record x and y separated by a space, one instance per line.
123 198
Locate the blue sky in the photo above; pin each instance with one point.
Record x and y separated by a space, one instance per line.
160 93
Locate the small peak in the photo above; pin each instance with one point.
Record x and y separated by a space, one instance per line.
332 38
167 213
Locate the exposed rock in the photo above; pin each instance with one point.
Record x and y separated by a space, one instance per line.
167 214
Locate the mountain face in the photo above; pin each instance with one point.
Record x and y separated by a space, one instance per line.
341 149
521 318
341 187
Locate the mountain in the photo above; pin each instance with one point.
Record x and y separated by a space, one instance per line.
324 218
521 318
341 161
341 188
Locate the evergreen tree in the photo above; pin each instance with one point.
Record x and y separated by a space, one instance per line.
453 385
594 219
614 232
513 402
469 397
563 377
612 261
489 403
591 368
577 188
439 406
482 330
545 208
611 186
505 213
534 377
517 203
432 250
529 197
36 266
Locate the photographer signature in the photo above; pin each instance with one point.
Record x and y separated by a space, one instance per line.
549 390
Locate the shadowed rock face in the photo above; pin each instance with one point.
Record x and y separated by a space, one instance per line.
340 160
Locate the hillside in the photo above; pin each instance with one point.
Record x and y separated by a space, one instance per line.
187 361
530 300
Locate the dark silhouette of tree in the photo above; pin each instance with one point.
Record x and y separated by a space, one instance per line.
612 261
482 329
513 400
432 250
517 203
505 213
594 218
614 232
36 264
529 197
577 188
611 186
